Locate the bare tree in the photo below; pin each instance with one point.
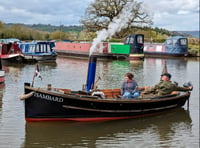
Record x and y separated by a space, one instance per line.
101 12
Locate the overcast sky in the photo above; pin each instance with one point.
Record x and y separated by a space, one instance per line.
181 15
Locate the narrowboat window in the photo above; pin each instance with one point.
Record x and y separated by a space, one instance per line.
40 50
45 48
42 47
127 40
175 42
183 41
45 45
48 48
169 42
37 49
23 48
26 47
131 40
140 39
31 48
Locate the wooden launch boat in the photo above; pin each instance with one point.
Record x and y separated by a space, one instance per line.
46 104
63 104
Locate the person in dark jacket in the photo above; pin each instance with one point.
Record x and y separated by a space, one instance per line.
164 87
129 88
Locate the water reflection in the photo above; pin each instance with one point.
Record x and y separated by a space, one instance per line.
12 68
107 134
1 103
1 97
166 130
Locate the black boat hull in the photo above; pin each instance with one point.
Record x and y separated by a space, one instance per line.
43 105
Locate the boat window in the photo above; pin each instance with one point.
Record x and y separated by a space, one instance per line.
131 40
24 48
169 42
21 46
37 48
183 41
175 42
31 48
43 48
127 40
140 39
48 48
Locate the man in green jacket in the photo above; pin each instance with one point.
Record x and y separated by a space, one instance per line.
164 87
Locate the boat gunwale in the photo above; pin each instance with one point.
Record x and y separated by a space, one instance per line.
108 100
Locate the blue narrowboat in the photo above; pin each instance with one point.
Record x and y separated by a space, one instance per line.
176 46
40 51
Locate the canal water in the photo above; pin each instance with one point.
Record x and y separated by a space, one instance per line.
176 128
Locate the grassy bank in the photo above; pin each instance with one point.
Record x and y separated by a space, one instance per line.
194 46
194 50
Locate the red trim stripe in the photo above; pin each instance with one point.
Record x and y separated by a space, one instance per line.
86 119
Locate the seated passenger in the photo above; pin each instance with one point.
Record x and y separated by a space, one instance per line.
164 87
129 88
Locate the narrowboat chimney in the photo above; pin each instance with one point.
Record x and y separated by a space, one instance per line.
165 67
91 73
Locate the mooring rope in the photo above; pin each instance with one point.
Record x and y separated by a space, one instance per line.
26 96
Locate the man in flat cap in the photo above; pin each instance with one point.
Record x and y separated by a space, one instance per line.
164 87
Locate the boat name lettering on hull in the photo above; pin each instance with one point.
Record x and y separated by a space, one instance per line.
48 97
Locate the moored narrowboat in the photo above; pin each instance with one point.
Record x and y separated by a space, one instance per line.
11 53
38 51
176 46
131 49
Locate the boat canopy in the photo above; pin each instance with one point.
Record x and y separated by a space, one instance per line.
36 47
177 44
9 40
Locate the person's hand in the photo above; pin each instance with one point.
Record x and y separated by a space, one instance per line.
190 87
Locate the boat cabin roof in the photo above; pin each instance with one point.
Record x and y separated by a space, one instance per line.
9 40
176 37
9 48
